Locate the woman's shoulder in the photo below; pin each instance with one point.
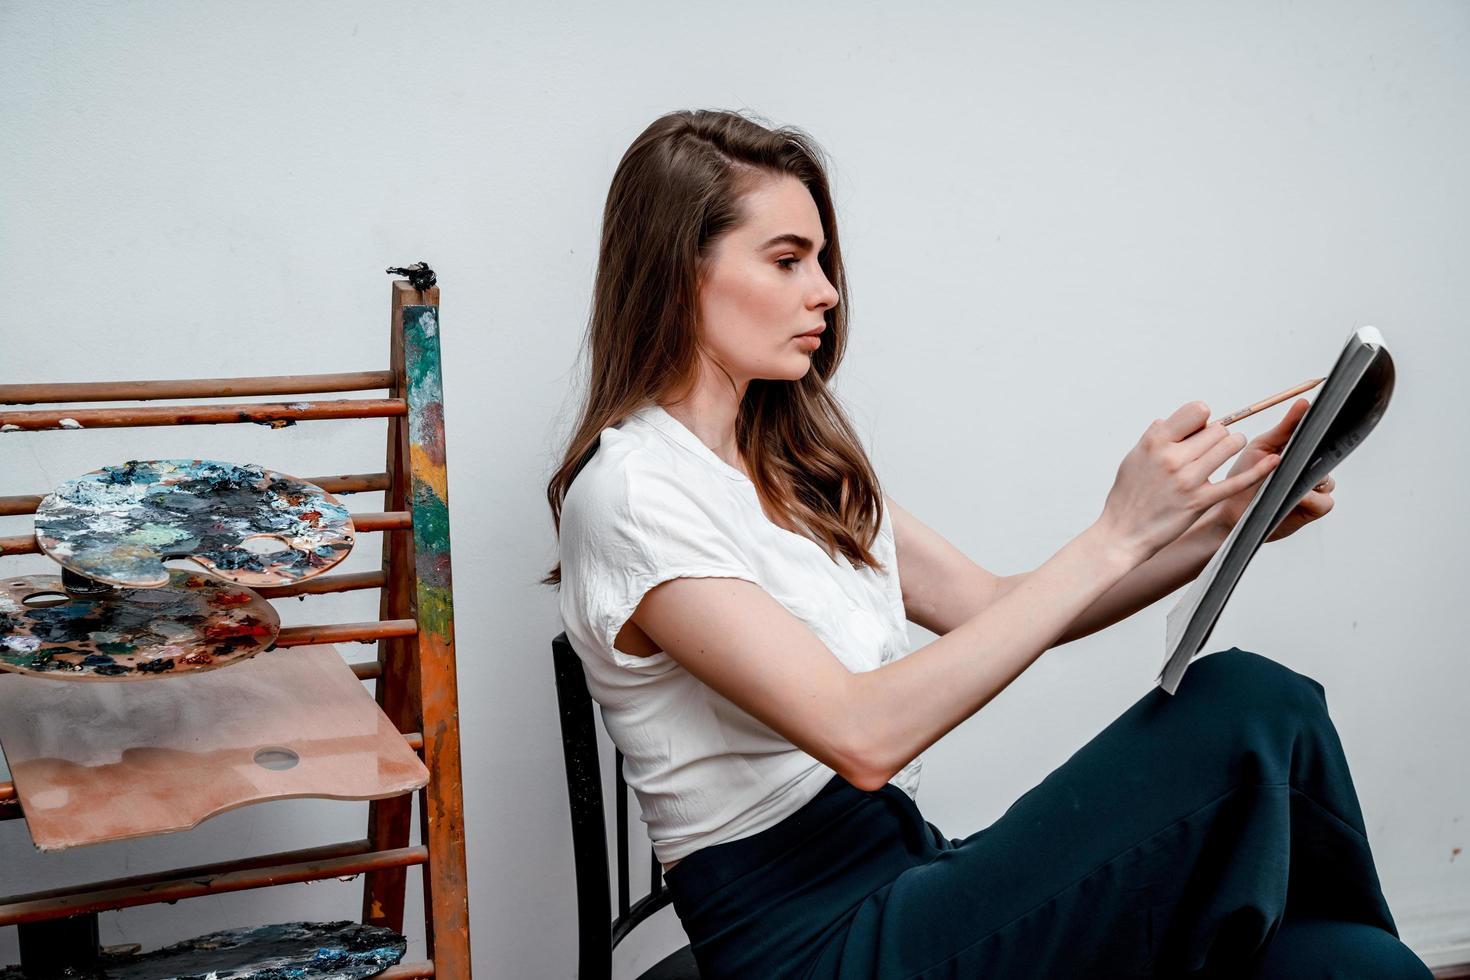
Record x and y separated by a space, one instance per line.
633 477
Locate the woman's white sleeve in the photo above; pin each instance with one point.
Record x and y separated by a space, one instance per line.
625 532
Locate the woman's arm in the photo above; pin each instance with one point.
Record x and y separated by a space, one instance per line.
943 588
1182 561
1176 564
741 642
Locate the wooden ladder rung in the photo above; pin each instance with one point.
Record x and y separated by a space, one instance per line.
20 544
117 391
382 629
392 520
287 867
277 414
407 971
323 584
368 670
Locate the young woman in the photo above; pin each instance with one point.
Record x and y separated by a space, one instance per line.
730 578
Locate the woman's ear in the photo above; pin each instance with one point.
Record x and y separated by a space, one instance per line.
702 264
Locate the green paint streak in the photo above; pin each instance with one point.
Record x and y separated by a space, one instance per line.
430 519
421 349
422 367
436 611
116 649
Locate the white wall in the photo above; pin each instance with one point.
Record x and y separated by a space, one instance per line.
1062 221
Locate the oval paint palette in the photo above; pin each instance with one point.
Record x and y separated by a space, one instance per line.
246 524
193 623
304 950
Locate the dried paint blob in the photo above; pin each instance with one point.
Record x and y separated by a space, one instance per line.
245 524
193 623
300 950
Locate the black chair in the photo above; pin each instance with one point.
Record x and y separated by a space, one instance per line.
595 941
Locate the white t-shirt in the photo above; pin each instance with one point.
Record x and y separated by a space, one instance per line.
652 504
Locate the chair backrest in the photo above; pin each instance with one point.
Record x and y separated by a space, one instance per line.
598 930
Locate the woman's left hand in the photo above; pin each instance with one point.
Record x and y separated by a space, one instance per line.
1315 504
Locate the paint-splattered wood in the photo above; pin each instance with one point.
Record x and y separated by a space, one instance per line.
300 950
246 524
438 696
193 623
102 762
418 683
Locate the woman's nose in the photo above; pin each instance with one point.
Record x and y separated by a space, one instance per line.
825 295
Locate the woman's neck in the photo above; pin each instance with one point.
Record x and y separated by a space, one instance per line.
709 411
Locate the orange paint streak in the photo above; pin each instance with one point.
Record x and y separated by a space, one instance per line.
434 474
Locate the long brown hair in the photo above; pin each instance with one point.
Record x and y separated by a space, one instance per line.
676 190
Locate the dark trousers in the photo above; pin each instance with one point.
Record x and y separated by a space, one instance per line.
1214 833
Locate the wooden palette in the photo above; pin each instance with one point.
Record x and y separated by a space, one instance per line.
246 524
104 762
193 623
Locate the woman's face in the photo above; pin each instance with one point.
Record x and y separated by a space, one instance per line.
762 287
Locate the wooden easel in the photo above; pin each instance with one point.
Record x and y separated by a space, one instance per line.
415 671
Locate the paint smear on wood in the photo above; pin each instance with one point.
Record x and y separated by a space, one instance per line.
430 481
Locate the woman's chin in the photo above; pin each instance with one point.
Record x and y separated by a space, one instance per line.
785 370
799 368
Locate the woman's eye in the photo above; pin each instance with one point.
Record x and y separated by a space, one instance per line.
787 263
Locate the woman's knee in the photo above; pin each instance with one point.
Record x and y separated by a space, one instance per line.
1246 680
1318 948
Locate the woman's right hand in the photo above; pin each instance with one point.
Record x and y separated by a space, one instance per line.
1163 484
